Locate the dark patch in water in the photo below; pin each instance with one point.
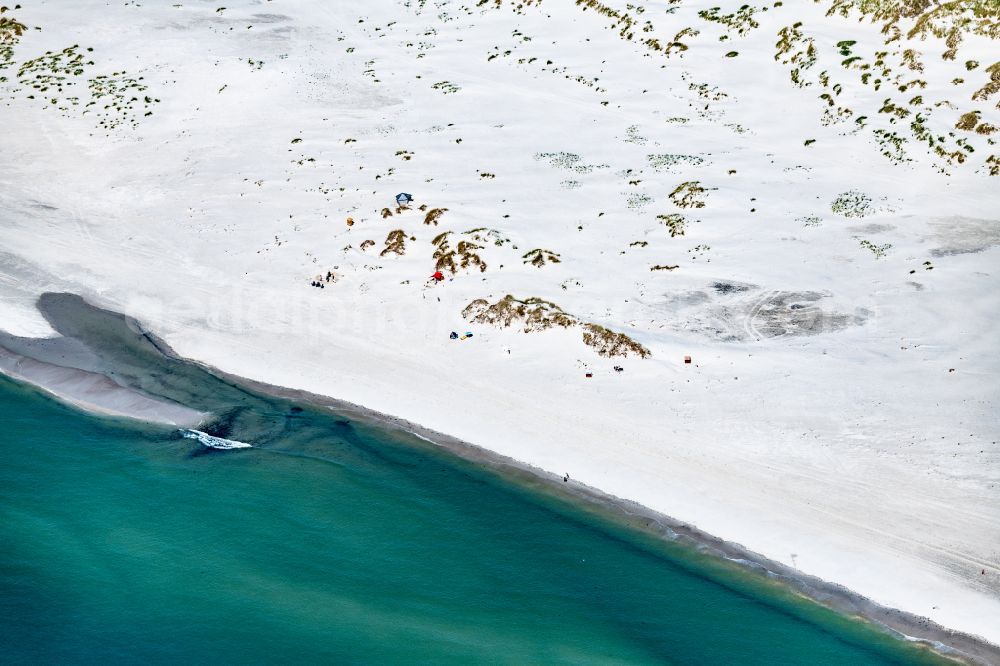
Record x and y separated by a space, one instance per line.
201 450
222 426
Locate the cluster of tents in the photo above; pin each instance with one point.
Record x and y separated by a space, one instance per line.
455 336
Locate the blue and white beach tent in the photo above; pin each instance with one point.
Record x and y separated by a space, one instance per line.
403 198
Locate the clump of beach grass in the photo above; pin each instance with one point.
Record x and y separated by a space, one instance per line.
531 314
10 34
535 314
433 215
395 243
675 222
689 195
610 344
450 260
539 257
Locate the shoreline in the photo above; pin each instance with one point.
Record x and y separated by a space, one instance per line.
948 643
955 645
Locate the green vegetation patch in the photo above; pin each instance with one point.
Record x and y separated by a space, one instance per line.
878 250
852 204
667 161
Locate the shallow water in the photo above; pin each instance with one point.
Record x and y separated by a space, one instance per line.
343 542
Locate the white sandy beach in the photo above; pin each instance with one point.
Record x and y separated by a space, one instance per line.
841 412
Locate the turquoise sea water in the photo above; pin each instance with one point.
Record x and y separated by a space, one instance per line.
129 544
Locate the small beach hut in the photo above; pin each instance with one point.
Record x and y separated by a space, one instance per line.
403 198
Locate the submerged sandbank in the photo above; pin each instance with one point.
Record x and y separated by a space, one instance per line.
92 391
118 349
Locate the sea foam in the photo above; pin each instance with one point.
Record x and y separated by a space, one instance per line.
214 442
